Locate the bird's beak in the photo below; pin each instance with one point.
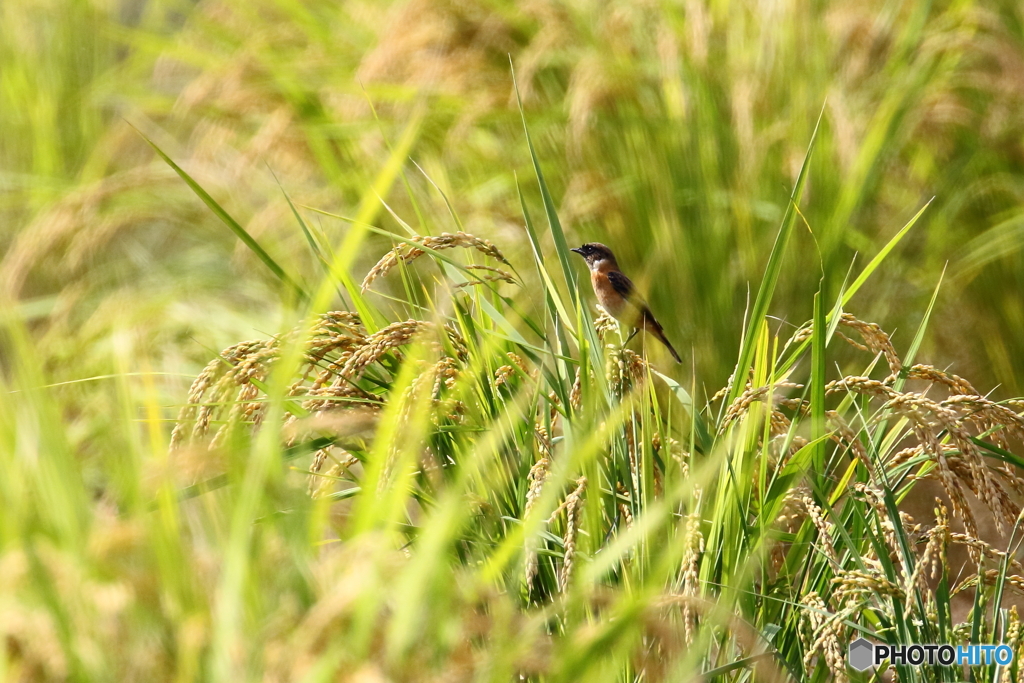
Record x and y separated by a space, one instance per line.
578 250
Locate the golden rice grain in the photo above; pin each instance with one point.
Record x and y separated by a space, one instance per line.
535 485
322 484
1012 638
499 275
824 528
854 580
690 568
411 250
821 635
572 526
742 404
875 340
623 500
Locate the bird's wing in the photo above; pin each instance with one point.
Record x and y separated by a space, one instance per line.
624 286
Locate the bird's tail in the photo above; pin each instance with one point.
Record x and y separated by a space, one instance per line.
654 327
668 345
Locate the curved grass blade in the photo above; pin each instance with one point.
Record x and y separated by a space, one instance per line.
833 317
226 218
915 345
314 246
880 256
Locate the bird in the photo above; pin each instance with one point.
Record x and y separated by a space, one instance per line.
617 294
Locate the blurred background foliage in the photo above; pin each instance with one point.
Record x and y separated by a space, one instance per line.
671 131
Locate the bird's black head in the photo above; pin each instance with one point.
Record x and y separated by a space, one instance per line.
595 253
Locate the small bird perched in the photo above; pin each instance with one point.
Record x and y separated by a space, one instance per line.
617 294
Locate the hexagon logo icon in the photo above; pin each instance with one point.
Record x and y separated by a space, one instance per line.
861 655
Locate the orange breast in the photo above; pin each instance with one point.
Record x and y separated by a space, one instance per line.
612 301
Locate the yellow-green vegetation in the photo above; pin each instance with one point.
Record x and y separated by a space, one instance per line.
422 454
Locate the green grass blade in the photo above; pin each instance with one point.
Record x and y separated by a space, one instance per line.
908 360
915 346
226 218
772 272
702 435
314 246
882 254
561 246
818 340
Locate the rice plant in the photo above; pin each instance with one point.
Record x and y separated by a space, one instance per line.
457 468
464 489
